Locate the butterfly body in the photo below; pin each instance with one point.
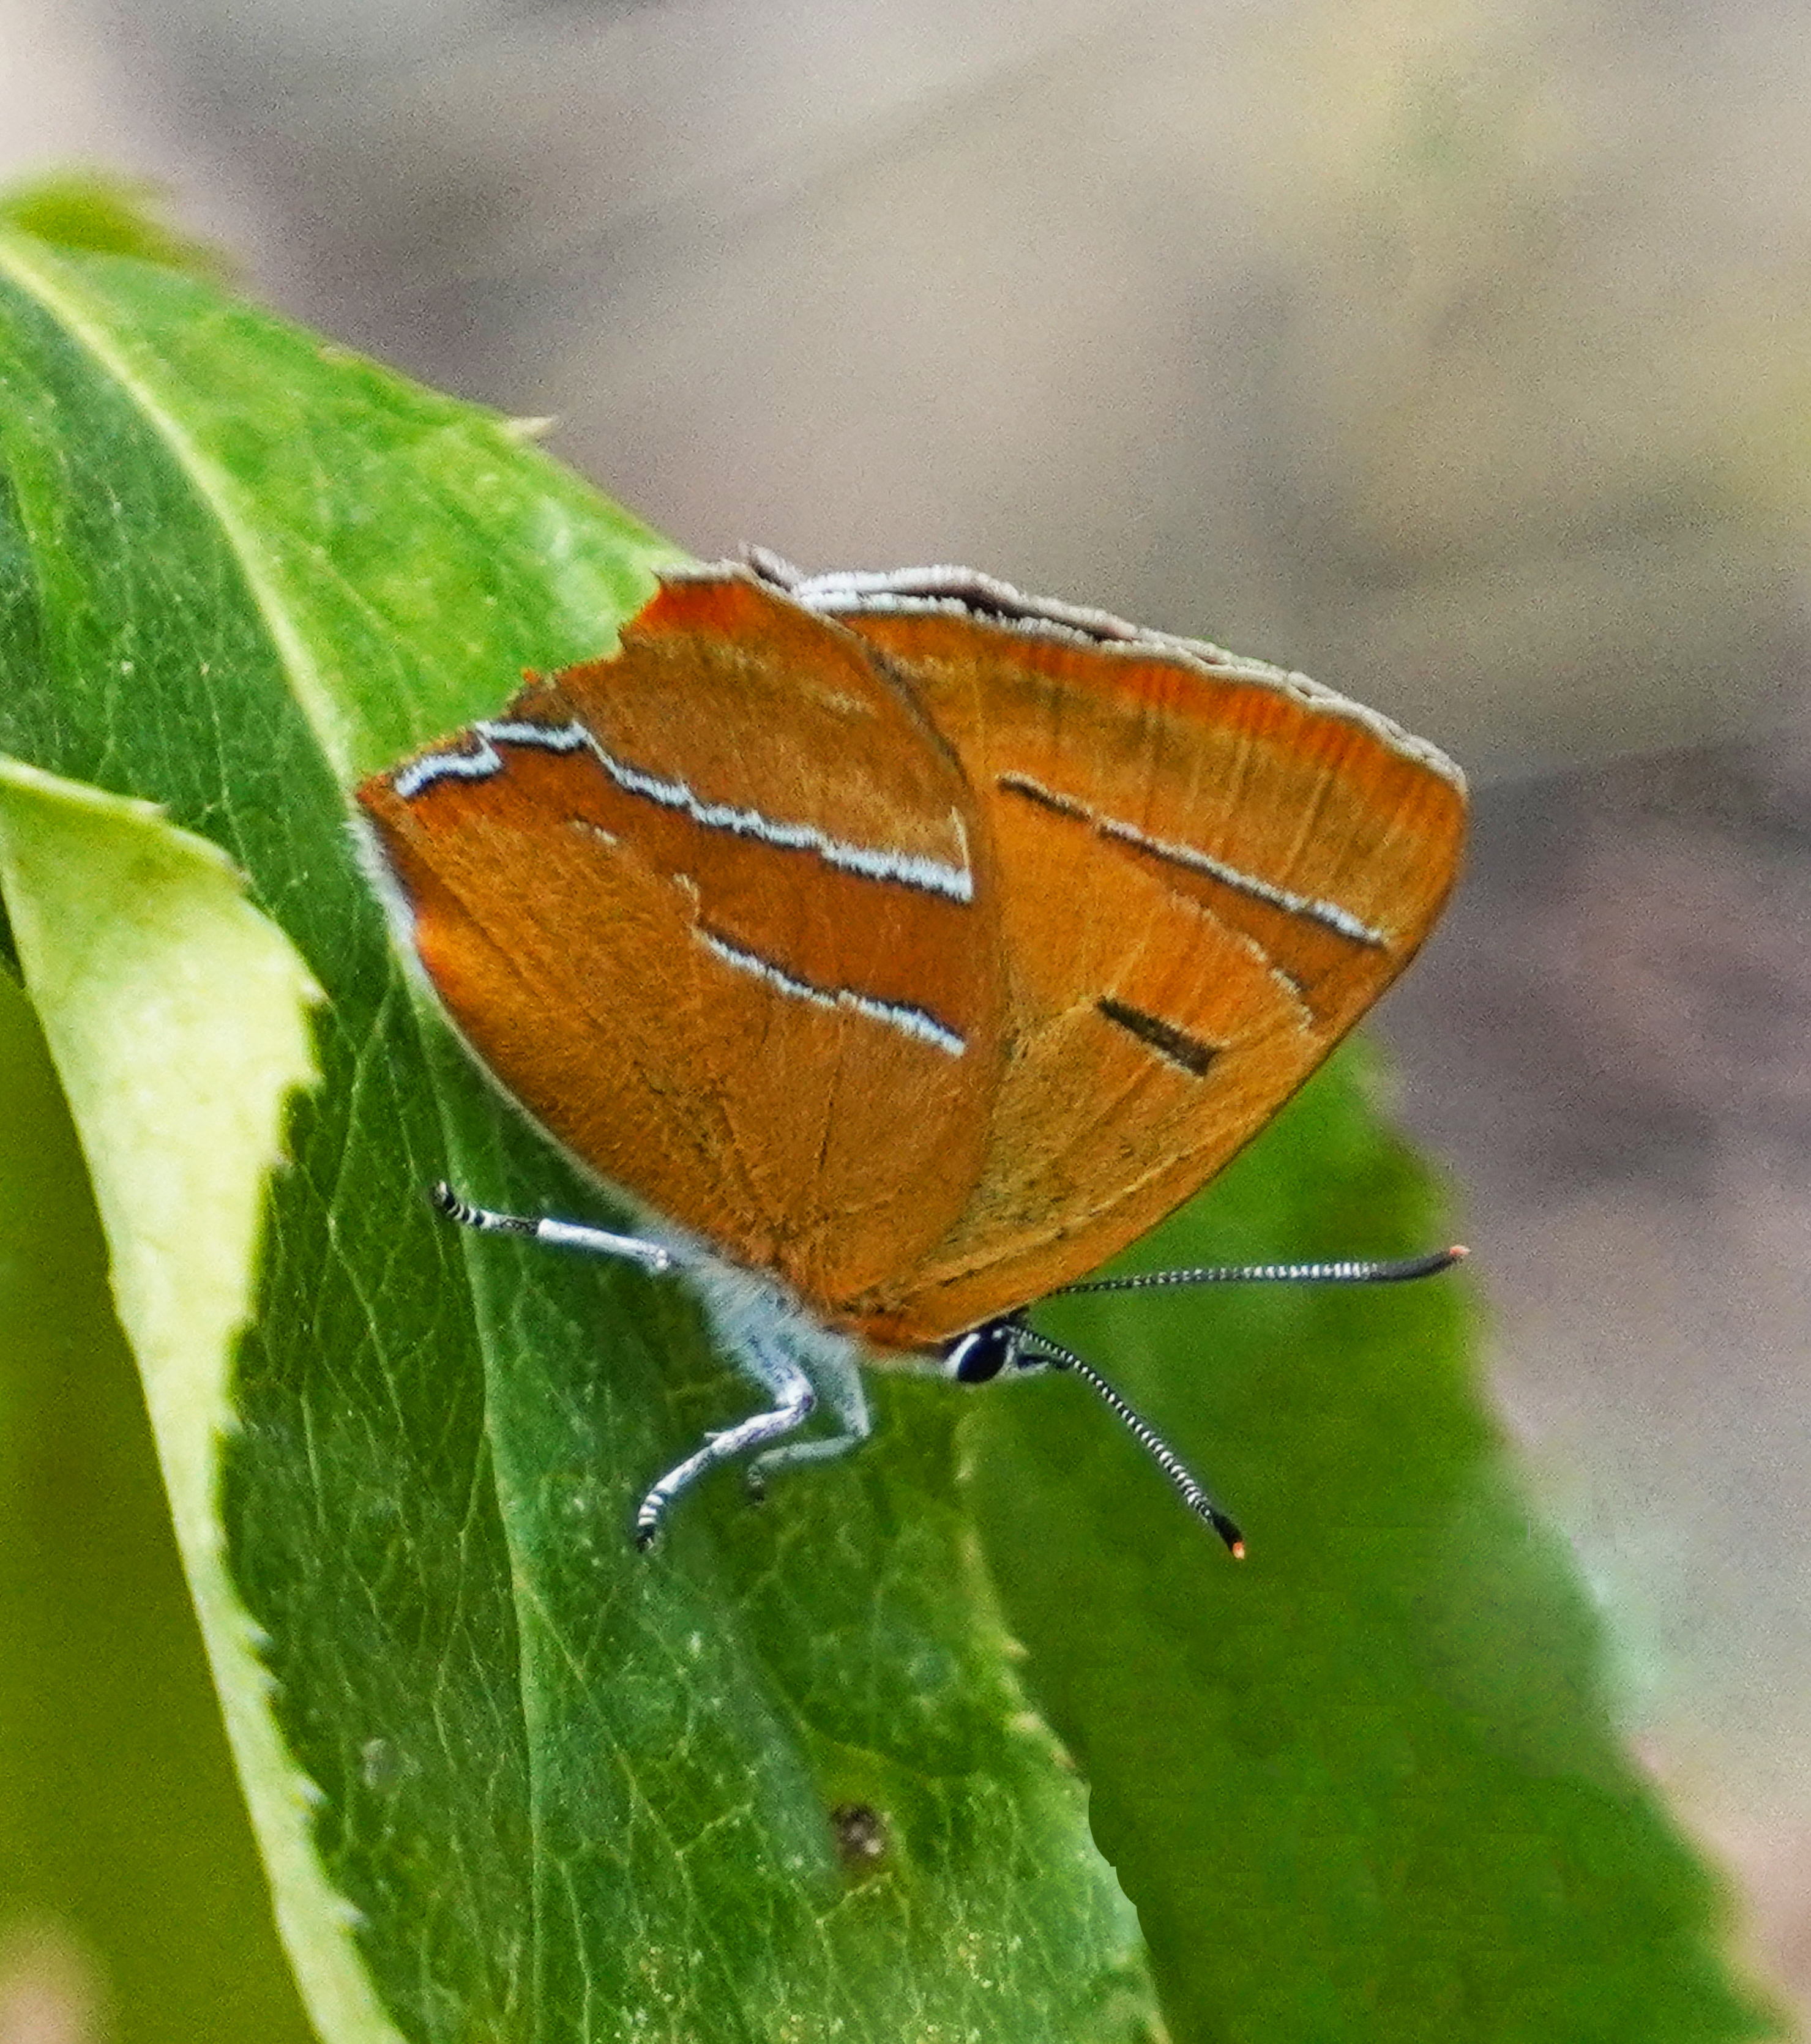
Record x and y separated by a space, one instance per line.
906 945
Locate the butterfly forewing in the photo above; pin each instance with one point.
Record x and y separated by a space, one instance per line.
707 909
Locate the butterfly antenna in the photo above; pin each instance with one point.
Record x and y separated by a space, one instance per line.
1147 1436
1365 1270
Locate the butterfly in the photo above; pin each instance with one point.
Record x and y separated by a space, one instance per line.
900 947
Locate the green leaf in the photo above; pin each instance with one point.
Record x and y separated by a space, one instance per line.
122 1835
1369 1785
102 211
169 1004
510 1778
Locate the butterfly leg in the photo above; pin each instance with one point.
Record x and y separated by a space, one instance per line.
794 1401
652 1256
767 1356
838 1384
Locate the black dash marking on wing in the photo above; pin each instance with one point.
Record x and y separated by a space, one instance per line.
1177 1045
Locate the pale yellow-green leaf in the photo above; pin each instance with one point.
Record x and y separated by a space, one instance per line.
177 1016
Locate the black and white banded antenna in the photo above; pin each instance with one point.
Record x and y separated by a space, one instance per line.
1344 1270
983 1352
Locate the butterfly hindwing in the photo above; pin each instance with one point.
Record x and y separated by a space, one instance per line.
1209 870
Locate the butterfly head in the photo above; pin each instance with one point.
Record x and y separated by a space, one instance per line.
979 1355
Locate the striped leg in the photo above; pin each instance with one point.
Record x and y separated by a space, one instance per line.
652 1256
838 1384
765 1353
796 1401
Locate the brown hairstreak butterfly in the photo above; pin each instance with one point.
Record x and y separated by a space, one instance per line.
903 946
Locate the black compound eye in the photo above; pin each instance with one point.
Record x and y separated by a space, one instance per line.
982 1353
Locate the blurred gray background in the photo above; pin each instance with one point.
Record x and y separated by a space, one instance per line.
1455 351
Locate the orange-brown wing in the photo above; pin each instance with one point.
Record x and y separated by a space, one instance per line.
716 912
1209 870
